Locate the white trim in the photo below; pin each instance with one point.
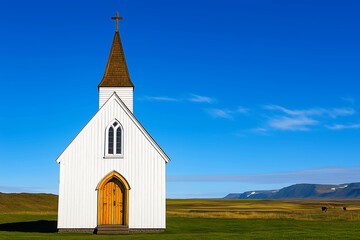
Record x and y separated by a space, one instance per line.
113 156
97 185
106 148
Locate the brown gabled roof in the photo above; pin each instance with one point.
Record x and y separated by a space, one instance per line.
116 71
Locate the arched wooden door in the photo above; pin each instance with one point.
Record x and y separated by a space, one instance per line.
112 201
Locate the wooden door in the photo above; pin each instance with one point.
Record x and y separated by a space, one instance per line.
112 211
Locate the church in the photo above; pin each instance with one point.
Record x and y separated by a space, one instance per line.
112 174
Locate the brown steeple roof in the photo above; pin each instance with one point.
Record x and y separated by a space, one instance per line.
116 72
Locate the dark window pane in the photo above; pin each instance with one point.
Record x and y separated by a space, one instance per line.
111 141
118 141
115 123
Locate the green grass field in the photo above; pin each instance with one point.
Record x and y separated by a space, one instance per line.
35 218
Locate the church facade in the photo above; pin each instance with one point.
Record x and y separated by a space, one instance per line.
112 175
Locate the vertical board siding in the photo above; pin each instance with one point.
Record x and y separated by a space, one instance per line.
82 167
125 94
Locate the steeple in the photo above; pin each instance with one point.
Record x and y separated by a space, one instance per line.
116 71
116 77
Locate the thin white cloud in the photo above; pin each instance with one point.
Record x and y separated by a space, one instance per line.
299 123
197 194
264 131
342 126
169 99
260 129
341 112
220 113
241 109
319 175
315 111
334 112
348 99
201 99
240 135
18 189
302 120
192 98
225 113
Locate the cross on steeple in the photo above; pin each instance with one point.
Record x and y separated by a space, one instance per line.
117 20
116 72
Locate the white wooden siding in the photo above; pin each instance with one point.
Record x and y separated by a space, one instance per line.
82 167
125 94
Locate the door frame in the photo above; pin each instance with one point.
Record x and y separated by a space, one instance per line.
100 189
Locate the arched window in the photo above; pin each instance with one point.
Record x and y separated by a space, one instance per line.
114 140
111 141
118 140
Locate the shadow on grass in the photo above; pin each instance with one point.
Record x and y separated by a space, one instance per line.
42 226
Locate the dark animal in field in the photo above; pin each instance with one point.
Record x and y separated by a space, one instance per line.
324 209
344 208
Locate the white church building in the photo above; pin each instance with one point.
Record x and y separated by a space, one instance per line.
112 174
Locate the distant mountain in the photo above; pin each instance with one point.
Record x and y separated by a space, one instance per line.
304 191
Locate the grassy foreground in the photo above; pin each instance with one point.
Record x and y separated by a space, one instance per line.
211 219
201 228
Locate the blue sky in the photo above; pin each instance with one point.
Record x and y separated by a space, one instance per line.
242 95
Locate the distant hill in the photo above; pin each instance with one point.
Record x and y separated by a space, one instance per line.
304 191
28 202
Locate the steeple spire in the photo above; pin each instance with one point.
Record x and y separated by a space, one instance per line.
116 71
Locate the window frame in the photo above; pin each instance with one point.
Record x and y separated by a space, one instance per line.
114 154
